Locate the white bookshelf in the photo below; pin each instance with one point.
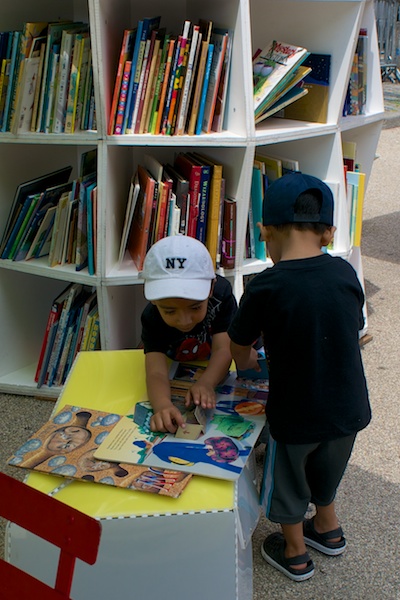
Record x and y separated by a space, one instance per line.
28 288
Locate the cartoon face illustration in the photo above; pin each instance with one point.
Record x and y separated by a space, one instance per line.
67 439
193 349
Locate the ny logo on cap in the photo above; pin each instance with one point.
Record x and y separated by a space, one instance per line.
170 263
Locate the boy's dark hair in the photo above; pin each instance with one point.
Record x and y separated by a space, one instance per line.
307 203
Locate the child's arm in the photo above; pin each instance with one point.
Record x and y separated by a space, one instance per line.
166 416
245 357
203 391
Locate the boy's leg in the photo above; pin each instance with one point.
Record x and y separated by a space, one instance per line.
294 539
326 520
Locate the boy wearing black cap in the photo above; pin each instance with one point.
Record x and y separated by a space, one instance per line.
308 308
187 319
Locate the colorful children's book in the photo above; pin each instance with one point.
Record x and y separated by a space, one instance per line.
272 67
66 444
222 448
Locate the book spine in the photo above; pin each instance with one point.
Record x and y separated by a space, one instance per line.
165 82
202 105
118 80
228 252
122 98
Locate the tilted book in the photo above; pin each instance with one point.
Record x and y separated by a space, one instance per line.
272 67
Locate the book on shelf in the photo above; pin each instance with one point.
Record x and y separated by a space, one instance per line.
20 225
220 99
228 245
205 185
313 107
50 100
194 100
27 188
39 79
192 172
146 76
204 88
256 200
180 187
68 41
57 238
144 29
80 54
129 211
292 96
160 72
40 245
355 181
170 86
11 78
151 82
126 54
94 425
178 75
214 205
272 166
139 233
30 31
90 193
219 40
272 67
188 80
159 108
84 88
24 105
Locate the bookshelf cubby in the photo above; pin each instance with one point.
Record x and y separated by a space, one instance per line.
28 288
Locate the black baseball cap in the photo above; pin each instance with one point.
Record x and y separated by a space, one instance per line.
281 195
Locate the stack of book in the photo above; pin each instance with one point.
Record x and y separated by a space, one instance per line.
55 218
186 196
72 326
171 85
278 78
46 78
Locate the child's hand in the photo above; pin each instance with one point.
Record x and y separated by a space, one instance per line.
167 419
201 394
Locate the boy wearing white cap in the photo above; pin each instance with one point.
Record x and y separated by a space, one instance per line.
187 319
309 309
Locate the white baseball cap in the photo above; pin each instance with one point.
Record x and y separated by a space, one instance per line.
178 266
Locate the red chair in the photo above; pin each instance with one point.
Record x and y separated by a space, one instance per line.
76 534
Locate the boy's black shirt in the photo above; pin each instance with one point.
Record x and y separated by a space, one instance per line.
309 312
157 336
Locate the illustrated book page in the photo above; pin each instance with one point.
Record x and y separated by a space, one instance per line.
66 444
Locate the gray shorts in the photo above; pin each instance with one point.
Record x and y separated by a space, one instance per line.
296 474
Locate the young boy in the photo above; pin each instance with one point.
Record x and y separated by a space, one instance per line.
187 319
308 308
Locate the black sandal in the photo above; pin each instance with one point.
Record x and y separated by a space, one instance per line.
273 551
322 541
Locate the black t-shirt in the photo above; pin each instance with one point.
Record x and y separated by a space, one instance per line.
309 312
157 336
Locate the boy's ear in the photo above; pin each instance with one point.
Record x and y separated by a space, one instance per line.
265 232
328 235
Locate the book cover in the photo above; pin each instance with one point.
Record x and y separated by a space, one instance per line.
228 247
314 106
272 67
50 99
126 53
57 238
272 166
40 245
24 106
40 75
137 241
84 81
66 444
19 226
11 79
230 433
